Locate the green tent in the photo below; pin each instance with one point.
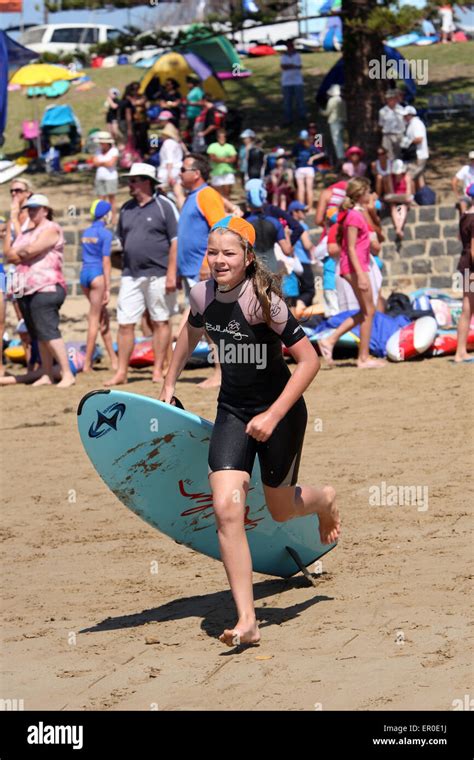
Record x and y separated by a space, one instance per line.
216 50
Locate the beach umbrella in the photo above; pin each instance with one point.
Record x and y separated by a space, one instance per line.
41 75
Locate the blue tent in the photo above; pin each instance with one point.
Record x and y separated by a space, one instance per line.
332 37
336 76
12 55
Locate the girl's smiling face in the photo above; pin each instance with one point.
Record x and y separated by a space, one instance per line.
226 258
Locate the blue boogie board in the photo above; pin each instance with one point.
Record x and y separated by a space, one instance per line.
153 456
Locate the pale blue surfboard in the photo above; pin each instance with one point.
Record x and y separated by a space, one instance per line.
153 457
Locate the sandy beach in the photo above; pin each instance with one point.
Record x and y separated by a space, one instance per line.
88 626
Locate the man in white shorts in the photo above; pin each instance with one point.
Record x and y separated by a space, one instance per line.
415 135
148 229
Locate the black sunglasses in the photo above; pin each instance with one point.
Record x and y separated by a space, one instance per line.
191 169
16 190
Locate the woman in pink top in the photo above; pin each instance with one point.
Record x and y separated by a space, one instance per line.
37 253
353 236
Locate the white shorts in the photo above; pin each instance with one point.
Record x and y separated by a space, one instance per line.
331 304
139 293
304 171
188 283
223 179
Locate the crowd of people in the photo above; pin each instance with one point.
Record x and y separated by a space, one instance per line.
185 178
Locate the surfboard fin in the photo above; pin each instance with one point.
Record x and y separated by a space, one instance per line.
296 557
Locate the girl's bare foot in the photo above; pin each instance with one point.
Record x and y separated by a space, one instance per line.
117 379
87 368
66 381
326 349
43 380
244 633
329 519
157 377
371 363
7 380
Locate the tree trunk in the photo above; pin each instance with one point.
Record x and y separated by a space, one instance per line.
363 95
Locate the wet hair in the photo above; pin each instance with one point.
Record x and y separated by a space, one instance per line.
200 162
355 189
265 283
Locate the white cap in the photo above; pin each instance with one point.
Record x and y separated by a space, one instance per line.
142 170
471 154
409 111
335 89
247 133
398 167
37 200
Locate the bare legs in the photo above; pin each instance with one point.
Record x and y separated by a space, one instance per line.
229 491
98 319
126 335
463 327
288 502
161 342
399 213
305 191
56 349
364 318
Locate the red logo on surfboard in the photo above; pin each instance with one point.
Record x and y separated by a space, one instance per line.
204 502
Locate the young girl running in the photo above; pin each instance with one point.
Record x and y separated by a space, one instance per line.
353 236
260 409
95 281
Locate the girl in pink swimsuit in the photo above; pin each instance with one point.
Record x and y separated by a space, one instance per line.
354 238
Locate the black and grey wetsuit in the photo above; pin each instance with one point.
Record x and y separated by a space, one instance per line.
254 374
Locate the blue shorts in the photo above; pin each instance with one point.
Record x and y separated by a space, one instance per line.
89 273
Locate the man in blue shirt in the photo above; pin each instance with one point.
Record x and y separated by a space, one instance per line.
303 250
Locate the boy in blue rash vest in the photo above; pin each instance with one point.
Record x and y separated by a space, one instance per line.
260 409
95 280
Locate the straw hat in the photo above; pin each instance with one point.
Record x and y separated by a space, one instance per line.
103 137
169 130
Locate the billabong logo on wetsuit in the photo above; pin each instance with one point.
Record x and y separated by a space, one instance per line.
233 328
104 424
